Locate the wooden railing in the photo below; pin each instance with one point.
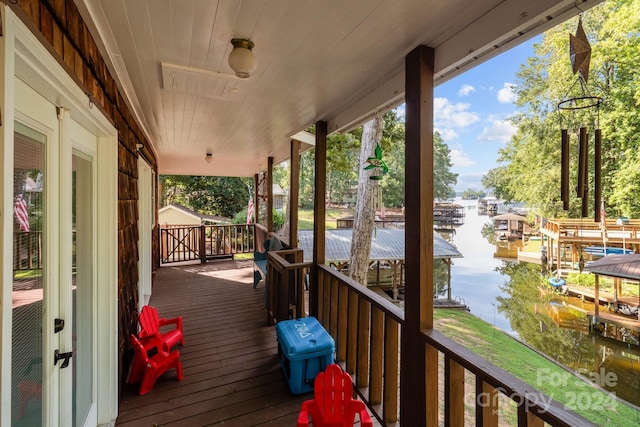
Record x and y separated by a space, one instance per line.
286 278
204 242
367 330
27 250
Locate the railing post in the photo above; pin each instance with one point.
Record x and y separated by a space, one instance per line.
486 404
391 380
364 331
453 393
352 332
527 418
203 245
343 307
377 356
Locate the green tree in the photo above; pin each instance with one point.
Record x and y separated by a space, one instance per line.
212 195
470 194
343 156
529 166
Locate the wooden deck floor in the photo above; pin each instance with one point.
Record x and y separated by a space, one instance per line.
231 371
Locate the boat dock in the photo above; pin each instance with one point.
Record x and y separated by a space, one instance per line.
531 257
605 298
613 319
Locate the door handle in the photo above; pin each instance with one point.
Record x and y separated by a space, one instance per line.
65 357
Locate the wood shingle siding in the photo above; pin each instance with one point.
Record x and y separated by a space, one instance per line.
61 29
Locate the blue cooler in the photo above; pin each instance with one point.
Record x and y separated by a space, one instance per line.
304 350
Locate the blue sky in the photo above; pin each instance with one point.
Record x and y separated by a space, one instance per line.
471 110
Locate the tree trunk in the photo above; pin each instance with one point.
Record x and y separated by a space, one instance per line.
364 215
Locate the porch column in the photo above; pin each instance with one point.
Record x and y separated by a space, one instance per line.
294 193
256 200
419 369
319 213
270 194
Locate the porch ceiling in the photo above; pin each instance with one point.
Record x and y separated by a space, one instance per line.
338 61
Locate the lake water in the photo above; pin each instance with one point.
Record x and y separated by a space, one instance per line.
474 278
514 297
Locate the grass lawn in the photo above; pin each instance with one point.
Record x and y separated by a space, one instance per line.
531 367
305 218
27 274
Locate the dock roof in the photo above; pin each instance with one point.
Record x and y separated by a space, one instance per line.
623 266
386 244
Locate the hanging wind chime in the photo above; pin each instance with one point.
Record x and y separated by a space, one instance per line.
580 108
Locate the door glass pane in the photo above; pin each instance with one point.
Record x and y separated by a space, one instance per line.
28 282
82 287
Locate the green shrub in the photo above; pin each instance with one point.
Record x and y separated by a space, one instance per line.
588 280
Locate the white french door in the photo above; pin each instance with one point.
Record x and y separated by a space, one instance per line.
54 295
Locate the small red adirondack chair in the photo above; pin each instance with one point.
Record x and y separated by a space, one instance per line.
150 325
148 369
333 405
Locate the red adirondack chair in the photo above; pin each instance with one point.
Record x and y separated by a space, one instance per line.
333 405
148 369
150 325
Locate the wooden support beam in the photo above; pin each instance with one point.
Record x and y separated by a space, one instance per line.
418 407
256 199
294 193
270 194
319 213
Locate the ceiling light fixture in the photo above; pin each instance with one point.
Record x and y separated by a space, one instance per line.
241 59
208 157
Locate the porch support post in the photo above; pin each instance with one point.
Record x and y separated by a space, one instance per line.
419 369
270 194
294 191
319 213
256 200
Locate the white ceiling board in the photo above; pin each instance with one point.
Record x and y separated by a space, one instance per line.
334 60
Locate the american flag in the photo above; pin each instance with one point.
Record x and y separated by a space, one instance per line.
20 211
250 210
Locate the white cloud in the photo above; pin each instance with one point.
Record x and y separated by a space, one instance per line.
498 130
447 135
466 90
507 94
460 159
449 115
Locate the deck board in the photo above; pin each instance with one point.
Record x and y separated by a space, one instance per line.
231 371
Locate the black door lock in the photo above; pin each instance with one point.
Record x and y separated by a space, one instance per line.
65 357
58 325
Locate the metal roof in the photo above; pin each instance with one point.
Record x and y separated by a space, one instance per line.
623 266
386 244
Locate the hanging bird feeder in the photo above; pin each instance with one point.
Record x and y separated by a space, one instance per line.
378 165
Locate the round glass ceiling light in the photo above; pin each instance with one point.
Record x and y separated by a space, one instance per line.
241 59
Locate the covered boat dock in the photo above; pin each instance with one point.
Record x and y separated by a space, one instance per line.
619 267
387 249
